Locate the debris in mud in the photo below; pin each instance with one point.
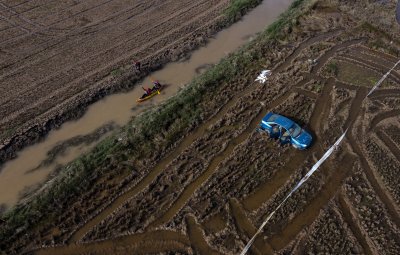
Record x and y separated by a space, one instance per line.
263 77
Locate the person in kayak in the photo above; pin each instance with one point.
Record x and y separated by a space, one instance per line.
147 91
157 85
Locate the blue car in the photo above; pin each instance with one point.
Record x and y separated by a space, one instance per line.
286 130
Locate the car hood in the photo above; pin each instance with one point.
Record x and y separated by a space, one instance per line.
304 138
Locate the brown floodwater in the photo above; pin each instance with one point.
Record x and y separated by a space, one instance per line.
17 176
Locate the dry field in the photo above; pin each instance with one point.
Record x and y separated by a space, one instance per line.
56 57
210 191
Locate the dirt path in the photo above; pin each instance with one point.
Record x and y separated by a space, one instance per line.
139 244
246 227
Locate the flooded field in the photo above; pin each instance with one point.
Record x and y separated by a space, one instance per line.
17 175
202 179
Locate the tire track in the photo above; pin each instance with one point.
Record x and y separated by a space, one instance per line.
21 17
196 236
33 58
306 93
16 25
355 107
122 38
47 28
90 7
370 66
361 53
305 44
378 54
383 116
375 184
149 24
47 2
350 219
157 241
344 85
312 210
385 93
389 143
330 53
246 227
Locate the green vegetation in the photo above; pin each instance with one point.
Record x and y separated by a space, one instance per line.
380 43
333 68
238 8
356 75
116 72
7 133
149 134
317 87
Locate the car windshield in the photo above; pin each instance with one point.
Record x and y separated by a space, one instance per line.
295 130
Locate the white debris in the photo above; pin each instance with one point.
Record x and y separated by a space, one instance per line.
312 61
263 77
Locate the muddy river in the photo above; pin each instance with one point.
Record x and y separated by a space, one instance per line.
28 170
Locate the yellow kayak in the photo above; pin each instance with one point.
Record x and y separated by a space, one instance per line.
145 97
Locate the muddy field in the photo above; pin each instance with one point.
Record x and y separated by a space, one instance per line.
210 191
58 57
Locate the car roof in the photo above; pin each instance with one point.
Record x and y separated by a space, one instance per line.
279 119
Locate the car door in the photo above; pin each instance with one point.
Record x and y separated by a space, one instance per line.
285 136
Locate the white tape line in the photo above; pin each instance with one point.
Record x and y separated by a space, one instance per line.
382 79
298 185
